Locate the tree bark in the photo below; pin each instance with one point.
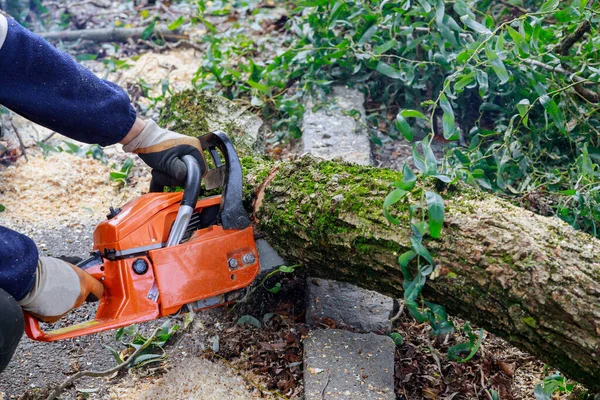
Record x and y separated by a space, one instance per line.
532 280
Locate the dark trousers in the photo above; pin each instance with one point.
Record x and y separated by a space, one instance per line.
11 327
18 263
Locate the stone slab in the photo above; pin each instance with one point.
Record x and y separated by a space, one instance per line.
342 365
348 306
332 132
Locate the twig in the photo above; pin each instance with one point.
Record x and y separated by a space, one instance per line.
110 371
76 4
111 34
20 140
326 384
44 140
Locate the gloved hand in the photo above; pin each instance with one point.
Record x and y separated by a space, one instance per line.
58 288
162 150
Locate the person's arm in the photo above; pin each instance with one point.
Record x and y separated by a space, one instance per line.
48 87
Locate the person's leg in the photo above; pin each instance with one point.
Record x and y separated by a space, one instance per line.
11 327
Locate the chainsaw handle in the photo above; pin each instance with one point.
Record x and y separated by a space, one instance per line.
188 201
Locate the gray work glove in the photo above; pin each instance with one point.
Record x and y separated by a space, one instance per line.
162 150
58 288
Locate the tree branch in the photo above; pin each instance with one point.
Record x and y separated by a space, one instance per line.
111 34
568 41
110 371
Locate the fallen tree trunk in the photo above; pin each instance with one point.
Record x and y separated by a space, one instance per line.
532 280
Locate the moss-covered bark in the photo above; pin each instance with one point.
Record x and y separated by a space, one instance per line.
530 279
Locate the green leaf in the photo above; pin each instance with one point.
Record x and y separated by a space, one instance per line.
497 65
389 71
520 44
397 338
176 24
568 14
286 269
408 179
404 128
435 212
250 320
383 48
144 359
2 208
148 31
392 198
448 123
413 114
276 288
259 86
406 257
86 57
367 35
550 5
464 82
418 247
474 25
115 354
552 108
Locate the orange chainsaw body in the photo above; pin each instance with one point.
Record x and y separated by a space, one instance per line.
145 280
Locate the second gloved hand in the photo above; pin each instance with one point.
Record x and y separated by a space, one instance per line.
162 150
58 288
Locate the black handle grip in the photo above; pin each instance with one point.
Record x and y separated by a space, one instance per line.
192 182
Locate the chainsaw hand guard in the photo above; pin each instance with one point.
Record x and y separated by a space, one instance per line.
165 250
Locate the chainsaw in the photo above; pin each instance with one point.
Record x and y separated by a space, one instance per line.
165 251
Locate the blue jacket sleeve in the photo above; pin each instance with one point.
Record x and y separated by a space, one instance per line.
48 87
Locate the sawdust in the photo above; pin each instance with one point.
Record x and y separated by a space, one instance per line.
61 189
177 67
193 379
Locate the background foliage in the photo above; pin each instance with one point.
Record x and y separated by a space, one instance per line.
485 75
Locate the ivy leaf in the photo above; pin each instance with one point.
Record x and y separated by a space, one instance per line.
148 31
367 35
418 247
404 128
176 24
413 114
388 70
448 122
406 257
435 212
474 25
497 65
392 198
550 5
408 179
552 108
